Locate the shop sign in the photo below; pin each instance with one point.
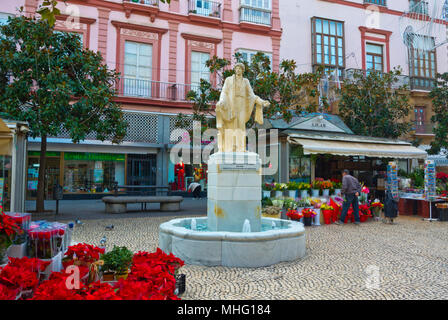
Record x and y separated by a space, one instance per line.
48 153
86 156
238 166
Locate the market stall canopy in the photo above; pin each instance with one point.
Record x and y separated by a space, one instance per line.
351 145
440 159
6 137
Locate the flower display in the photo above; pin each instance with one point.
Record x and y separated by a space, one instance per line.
280 187
304 186
326 207
294 214
268 186
316 184
8 230
376 204
83 252
307 213
442 176
327 184
365 190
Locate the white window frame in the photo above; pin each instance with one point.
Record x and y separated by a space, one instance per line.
135 85
250 53
204 73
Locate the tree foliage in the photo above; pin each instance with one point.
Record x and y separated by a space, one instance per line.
439 96
50 81
287 91
375 105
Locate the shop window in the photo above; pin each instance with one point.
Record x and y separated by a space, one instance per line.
142 169
93 172
199 70
328 43
5 181
299 165
374 57
137 69
52 174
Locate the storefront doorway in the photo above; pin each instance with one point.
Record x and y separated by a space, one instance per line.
141 169
52 174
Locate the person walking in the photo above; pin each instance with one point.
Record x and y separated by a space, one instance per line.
196 189
351 189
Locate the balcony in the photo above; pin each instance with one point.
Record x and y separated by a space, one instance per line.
350 74
420 83
419 7
377 2
255 15
423 128
147 2
148 89
205 8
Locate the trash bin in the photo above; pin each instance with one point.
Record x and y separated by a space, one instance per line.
442 209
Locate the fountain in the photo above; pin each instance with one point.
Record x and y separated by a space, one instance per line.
234 234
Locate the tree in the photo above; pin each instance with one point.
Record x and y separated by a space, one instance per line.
374 105
50 81
287 91
439 96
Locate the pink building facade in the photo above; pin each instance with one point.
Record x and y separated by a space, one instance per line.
160 50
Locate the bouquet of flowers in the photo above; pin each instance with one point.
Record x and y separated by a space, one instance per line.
280 186
268 186
364 194
292 185
289 204
376 204
304 203
278 203
316 184
326 207
304 186
308 213
294 214
327 184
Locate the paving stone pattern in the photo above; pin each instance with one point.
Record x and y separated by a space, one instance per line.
411 258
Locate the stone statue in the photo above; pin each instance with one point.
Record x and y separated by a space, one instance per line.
234 110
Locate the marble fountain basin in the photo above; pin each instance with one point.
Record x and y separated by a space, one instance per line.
285 242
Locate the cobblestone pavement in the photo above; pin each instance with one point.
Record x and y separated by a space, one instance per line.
411 258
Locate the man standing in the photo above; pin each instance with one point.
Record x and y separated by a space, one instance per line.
350 190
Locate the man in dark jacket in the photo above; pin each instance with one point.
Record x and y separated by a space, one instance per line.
350 190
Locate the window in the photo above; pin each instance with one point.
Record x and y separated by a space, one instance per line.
374 57
198 68
328 43
202 7
248 54
256 11
378 2
418 6
419 113
422 64
137 69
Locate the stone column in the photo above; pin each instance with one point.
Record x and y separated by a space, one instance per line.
103 26
276 15
172 55
276 53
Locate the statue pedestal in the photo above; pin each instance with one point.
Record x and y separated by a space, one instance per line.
234 191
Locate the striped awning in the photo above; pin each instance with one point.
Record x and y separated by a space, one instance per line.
366 148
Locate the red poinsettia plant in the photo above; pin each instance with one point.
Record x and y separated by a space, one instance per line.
84 252
365 209
308 213
8 229
294 214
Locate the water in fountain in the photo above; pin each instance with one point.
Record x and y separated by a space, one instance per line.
246 226
273 225
193 224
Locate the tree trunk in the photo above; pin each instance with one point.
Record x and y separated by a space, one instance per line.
40 206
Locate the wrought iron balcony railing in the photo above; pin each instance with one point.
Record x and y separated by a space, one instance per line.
147 2
418 6
421 127
255 15
205 8
421 83
349 75
377 2
130 87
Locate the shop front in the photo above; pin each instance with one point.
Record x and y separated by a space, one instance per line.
13 143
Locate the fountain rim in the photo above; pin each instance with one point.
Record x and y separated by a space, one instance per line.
296 229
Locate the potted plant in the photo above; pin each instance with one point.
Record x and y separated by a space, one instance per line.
8 231
376 207
337 186
316 186
267 188
279 188
118 261
325 186
308 215
294 214
364 194
292 189
364 212
304 187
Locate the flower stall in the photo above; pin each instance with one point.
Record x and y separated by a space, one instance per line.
53 270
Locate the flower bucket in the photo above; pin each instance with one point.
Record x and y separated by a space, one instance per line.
337 192
278 194
303 194
266 193
315 193
292 193
326 192
363 218
328 214
307 221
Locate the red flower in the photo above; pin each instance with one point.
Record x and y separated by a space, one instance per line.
294 214
84 252
8 293
8 227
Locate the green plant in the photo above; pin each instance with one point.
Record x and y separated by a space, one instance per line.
292 185
118 260
418 178
266 202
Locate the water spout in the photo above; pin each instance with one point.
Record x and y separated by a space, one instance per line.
193 224
246 226
273 225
